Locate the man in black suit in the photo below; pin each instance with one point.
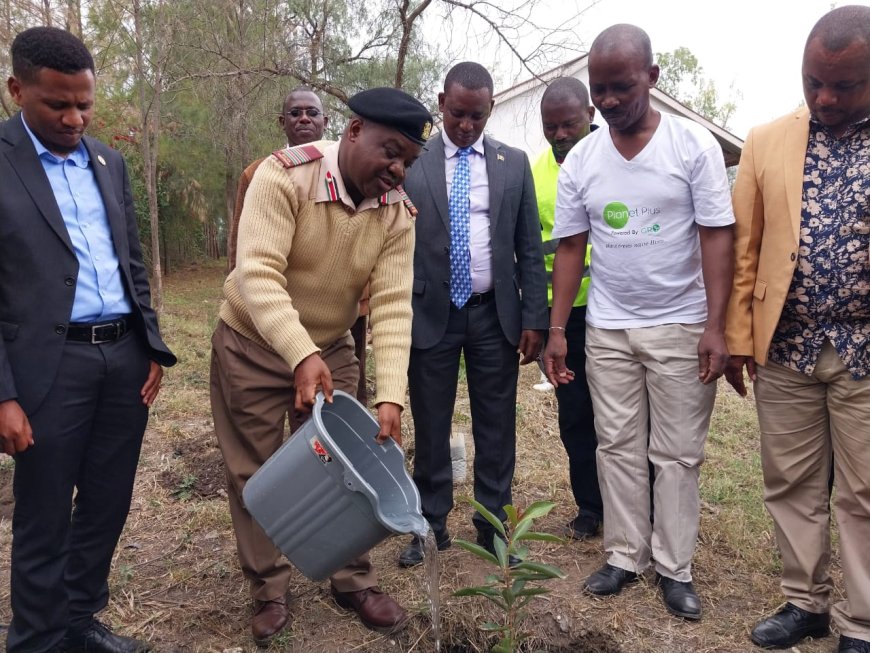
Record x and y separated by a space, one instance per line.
81 353
480 290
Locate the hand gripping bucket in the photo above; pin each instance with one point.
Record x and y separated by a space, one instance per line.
331 492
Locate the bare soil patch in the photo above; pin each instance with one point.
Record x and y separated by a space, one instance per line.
198 471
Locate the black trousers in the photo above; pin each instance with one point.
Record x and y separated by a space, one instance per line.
577 421
87 436
491 368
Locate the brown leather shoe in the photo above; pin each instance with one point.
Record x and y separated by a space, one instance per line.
375 609
270 618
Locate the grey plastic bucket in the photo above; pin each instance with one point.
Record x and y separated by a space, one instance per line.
331 492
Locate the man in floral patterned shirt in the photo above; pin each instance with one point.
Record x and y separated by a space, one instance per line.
800 312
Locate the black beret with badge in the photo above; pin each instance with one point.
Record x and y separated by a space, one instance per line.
394 108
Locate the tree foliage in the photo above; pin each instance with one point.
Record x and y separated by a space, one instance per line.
682 77
190 90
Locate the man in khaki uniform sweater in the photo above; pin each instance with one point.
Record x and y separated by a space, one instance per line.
318 222
799 320
303 121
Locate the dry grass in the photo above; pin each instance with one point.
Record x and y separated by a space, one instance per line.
175 579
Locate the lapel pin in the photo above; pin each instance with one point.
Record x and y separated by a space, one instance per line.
500 156
101 159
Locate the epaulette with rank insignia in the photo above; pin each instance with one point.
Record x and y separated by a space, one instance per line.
407 200
290 157
385 199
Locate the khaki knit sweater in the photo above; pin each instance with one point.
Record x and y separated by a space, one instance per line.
303 261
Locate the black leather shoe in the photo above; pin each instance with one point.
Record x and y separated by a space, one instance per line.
413 555
582 527
852 645
485 539
789 626
680 598
97 638
609 580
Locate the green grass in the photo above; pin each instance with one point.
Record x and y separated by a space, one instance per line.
185 488
731 482
191 302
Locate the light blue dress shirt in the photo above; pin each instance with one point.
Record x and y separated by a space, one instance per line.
480 240
100 293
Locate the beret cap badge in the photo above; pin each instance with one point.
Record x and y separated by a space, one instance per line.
427 129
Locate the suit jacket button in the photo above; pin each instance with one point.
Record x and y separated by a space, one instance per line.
793 257
446 250
446 284
69 281
60 329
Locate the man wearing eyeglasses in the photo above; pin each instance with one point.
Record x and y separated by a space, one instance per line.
303 119
303 122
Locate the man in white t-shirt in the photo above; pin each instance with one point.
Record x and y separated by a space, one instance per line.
653 193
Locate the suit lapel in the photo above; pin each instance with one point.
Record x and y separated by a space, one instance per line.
110 200
433 168
794 154
22 157
495 172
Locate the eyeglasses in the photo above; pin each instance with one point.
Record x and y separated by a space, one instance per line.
297 113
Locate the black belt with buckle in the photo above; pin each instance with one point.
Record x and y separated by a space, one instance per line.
479 298
98 333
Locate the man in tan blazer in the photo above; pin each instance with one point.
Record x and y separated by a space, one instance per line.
799 320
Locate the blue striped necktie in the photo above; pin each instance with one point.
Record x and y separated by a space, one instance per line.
459 209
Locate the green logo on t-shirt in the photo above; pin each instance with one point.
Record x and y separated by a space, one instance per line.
616 215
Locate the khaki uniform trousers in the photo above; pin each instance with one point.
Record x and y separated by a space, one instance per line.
649 407
252 391
803 419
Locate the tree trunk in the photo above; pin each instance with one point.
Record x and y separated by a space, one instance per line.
237 146
150 122
74 17
231 183
407 22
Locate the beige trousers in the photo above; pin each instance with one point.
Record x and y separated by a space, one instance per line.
649 406
252 391
803 420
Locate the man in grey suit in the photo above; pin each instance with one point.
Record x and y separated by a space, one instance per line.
480 291
80 354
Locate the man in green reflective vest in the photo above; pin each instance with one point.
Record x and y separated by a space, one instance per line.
566 116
